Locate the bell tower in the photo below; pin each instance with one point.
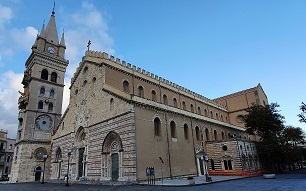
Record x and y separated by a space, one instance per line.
40 105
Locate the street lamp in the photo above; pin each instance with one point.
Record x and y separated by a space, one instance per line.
43 178
67 183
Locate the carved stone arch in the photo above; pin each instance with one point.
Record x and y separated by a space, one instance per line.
109 142
80 136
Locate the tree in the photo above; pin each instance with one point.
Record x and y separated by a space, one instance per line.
302 115
266 122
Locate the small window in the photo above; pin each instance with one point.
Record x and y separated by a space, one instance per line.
52 93
174 102
205 112
20 121
221 117
157 128
186 132
198 135
85 70
207 134
223 135
217 116
199 110
53 77
8 159
211 114
44 74
191 108
11 147
140 91
173 129
50 107
229 135
165 99
215 135
153 93
40 105
93 84
112 104
85 89
126 86
184 105
63 126
42 91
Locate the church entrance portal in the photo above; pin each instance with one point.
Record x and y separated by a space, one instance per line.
37 173
115 167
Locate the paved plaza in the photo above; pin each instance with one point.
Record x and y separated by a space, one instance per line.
290 181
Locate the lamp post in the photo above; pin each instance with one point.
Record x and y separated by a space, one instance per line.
67 183
43 178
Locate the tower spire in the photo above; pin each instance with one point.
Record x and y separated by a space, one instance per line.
53 11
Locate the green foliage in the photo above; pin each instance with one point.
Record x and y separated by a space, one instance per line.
302 115
265 121
279 144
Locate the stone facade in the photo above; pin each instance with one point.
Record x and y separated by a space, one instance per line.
122 119
40 105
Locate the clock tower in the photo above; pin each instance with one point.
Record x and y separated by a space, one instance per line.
40 105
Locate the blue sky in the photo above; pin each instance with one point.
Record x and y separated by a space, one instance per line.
212 47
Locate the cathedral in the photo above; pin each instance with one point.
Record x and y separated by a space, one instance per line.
122 119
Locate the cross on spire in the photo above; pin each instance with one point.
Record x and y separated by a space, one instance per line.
53 11
88 45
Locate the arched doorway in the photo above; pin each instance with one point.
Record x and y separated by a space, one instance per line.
112 157
37 173
81 153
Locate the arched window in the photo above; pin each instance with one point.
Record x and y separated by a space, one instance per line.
85 70
207 134
93 84
221 117
165 99
173 129
42 91
184 105
211 114
140 91
50 107
112 104
199 110
215 135
223 135
217 116
186 132
20 121
52 93
44 74
205 112
174 102
53 77
85 89
191 108
8 159
40 105
228 135
198 135
153 93
157 127
126 86
226 119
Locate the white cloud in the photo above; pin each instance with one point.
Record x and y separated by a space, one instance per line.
85 24
10 84
24 38
6 15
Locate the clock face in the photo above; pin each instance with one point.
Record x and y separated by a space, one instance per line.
39 153
43 122
51 49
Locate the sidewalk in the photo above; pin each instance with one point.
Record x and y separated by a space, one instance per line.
198 180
